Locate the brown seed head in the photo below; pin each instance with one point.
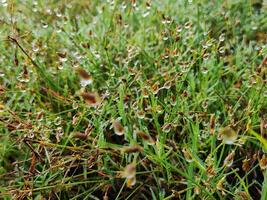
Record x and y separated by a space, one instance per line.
118 128
91 98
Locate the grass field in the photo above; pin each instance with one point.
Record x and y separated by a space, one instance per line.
125 99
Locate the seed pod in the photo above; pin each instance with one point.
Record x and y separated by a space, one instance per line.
220 183
132 149
80 135
92 99
197 190
141 114
228 135
187 155
155 88
145 137
167 127
129 171
263 162
211 171
131 182
246 165
145 92
118 128
212 124
86 79
242 195
229 160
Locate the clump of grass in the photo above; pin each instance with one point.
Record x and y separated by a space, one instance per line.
116 99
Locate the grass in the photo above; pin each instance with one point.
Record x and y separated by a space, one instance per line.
113 99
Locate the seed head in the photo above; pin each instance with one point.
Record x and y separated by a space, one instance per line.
118 128
228 135
91 98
